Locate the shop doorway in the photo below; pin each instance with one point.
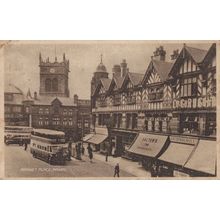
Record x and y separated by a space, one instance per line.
119 149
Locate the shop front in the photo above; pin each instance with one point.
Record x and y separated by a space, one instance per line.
203 161
171 162
99 139
147 148
121 141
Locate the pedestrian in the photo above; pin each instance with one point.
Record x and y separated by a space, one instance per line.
106 156
69 150
79 152
90 156
83 150
117 170
89 148
25 145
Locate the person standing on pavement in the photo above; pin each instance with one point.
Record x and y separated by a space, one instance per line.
83 150
117 170
90 156
69 150
90 152
25 145
79 151
106 156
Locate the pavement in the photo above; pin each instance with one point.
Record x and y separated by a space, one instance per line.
126 165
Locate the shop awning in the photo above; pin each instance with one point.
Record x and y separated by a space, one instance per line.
87 137
148 144
177 153
204 157
97 138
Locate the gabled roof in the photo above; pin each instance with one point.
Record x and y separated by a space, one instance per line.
197 54
118 81
211 52
46 100
135 78
162 68
105 83
10 88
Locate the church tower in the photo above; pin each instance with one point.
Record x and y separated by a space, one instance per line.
54 77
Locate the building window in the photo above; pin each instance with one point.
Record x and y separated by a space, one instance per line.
46 111
17 109
41 111
213 85
70 112
46 122
134 121
7 109
156 93
70 121
119 120
56 121
55 85
64 111
211 125
86 124
128 120
40 122
190 124
8 97
48 85
189 87
65 121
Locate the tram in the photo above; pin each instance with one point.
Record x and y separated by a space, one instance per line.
49 145
17 134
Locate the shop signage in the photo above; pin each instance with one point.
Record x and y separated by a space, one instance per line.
201 102
184 140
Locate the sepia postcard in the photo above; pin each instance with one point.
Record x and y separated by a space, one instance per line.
109 110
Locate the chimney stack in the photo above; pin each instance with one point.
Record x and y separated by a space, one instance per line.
35 95
116 70
75 97
160 54
123 67
175 54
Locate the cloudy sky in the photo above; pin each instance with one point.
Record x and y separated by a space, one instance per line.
22 59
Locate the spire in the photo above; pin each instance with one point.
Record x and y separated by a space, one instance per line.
40 58
64 57
55 52
101 59
29 94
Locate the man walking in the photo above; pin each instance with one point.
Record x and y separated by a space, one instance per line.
25 145
117 170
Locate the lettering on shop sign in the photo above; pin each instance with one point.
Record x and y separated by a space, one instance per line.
184 140
201 102
148 141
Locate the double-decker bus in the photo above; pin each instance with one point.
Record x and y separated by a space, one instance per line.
49 145
17 134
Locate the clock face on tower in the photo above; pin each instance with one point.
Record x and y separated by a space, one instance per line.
52 70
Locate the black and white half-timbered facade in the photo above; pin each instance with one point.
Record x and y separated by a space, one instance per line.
173 104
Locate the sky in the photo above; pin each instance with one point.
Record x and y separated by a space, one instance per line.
22 59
